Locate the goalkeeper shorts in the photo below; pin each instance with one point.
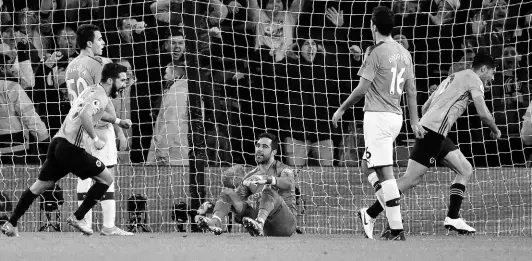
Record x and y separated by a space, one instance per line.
431 149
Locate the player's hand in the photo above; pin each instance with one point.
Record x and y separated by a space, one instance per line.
121 143
419 131
125 124
337 18
259 182
496 135
337 116
234 7
99 144
356 52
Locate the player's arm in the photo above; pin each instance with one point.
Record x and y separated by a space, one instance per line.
85 117
411 96
427 104
356 95
485 115
286 180
110 118
526 127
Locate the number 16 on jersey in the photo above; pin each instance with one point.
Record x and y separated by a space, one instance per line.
397 80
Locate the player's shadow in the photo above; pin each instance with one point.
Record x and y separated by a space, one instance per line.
49 204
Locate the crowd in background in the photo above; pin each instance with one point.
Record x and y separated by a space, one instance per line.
281 66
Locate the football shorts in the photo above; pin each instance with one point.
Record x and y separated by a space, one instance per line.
432 148
380 131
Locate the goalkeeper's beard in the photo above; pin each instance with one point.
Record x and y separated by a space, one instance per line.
114 91
262 159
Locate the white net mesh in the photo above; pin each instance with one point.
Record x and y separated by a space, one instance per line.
198 102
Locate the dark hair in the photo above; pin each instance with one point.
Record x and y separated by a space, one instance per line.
112 71
84 34
174 31
5 60
273 138
482 59
383 18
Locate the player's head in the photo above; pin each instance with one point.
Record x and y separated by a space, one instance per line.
66 38
90 38
266 147
6 66
382 21
115 76
484 66
175 44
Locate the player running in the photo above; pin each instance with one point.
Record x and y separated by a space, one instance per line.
440 112
66 152
386 71
265 201
85 70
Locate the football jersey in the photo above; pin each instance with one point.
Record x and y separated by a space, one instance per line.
450 100
82 72
72 129
387 66
528 114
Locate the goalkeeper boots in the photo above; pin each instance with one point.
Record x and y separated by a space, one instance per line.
81 225
459 225
254 227
367 222
9 230
114 231
400 236
212 224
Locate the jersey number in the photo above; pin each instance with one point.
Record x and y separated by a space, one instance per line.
80 85
397 80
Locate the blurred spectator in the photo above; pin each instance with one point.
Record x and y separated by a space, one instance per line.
169 145
17 46
167 11
274 25
27 26
446 11
50 93
309 108
469 48
17 115
122 105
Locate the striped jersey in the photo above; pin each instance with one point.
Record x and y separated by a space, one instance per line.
72 129
387 66
450 100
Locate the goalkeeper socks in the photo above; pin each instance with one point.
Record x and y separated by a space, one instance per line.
94 194
109 207
82 188
267 204
23 204
393 209
457 195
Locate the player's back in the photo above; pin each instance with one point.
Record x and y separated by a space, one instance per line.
388 65
82 72
72 129
450 100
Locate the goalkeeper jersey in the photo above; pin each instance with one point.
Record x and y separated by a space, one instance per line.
387 66
72 129
450 100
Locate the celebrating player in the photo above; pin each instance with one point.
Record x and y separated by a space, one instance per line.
265 200
85 70
440 112
66 151
387 68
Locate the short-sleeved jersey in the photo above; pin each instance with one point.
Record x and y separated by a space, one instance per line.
450 100
82 72
72 129
387 66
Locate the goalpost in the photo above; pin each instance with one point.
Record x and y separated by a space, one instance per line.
236 88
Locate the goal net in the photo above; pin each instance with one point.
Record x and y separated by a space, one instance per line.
207 77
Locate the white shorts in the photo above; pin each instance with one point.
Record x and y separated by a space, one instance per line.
108 154
380 131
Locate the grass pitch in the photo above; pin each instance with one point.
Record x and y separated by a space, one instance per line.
239 246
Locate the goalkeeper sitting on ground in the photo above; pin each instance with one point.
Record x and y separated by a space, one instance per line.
265 201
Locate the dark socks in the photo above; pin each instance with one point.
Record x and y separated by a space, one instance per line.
455 200
94 194
23 204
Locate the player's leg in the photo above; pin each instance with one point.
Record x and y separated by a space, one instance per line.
453 158
368 216
228 200
296 152
380 131
50 172
282 223
270 204
82 188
